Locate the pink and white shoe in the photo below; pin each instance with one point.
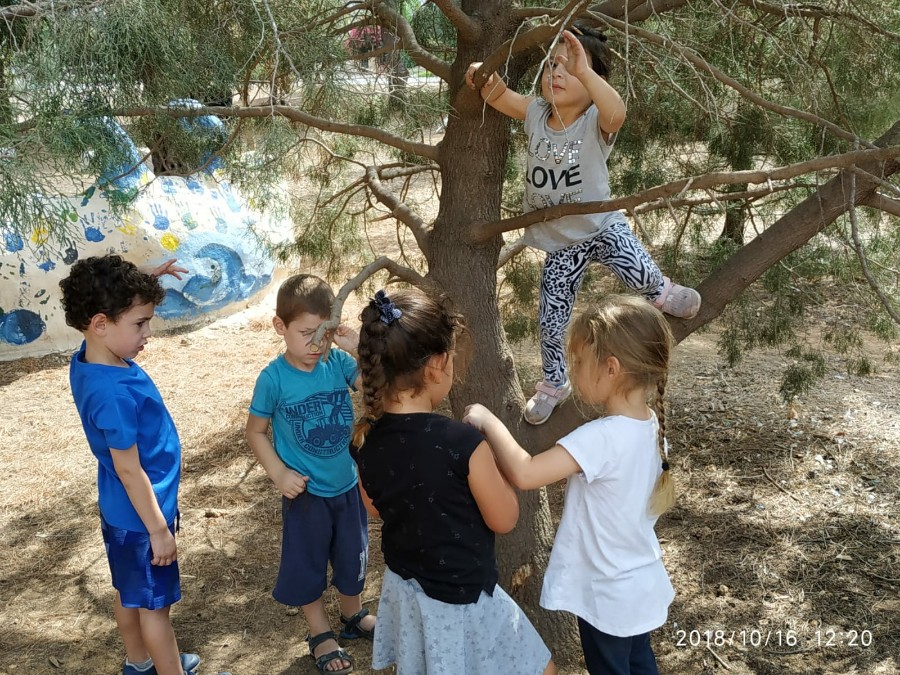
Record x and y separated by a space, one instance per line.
545 399
677 300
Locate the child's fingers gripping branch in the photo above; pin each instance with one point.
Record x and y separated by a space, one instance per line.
470 74
575 59
493 86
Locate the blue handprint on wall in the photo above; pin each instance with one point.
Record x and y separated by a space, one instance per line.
194 185
160 219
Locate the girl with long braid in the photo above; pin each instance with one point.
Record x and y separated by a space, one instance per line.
606 564
434 483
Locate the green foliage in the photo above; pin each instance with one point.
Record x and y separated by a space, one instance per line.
800 377
66 70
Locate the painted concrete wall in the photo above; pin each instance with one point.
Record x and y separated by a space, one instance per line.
201 220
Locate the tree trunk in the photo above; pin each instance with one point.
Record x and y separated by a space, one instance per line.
735 216
473 154
396 70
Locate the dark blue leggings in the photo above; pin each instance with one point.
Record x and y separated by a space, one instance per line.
610 655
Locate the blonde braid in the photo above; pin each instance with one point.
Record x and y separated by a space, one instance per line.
663 496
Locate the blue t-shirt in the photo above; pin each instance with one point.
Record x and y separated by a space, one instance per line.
312 419
121 407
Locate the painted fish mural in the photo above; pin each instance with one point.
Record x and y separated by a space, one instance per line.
202 220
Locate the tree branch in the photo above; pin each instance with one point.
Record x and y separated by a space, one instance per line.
748 195
399 210
637 10
528 40
482 233
786 235
510 251
383 263
399 26
691 56
295 115
882 203
27 10
816 12
468 29
861 254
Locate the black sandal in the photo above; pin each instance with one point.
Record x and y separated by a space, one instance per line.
352 629
315 640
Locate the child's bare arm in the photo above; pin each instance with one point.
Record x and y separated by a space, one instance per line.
495 497
610 106
289 482
500 97
367 502
522 470
127 464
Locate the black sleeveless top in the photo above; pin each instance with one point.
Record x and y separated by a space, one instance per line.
415 468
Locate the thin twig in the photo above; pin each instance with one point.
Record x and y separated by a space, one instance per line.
787 492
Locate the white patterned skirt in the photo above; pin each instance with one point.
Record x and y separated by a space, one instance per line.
424 636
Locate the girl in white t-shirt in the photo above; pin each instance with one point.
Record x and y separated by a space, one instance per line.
606 564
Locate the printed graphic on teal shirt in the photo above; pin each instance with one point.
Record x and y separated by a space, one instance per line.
321 422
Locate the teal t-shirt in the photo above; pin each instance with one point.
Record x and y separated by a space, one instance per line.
312 419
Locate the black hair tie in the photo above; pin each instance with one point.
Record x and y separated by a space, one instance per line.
389 313
665 466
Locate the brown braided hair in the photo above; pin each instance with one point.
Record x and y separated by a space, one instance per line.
638 335
393 349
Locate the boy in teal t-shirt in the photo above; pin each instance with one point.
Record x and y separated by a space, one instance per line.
306 400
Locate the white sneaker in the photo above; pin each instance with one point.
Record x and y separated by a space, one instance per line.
677 300
545 399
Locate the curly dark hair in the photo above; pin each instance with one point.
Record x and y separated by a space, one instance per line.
107 285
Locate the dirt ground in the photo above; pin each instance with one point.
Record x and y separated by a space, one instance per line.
784 548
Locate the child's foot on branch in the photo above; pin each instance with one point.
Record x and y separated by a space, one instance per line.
677 300
545 399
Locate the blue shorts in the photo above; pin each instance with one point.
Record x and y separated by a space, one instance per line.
316 530
140 584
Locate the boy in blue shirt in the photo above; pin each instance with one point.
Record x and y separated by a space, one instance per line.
306 399
132 435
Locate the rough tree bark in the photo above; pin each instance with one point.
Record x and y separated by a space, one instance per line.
472 157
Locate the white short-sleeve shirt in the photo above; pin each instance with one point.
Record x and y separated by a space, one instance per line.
606 564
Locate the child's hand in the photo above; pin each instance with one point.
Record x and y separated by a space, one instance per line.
290 483
346 338
470 74
478 416
169 267
575 60
162 544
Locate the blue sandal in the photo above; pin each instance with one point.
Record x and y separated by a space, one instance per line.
338 654
352 628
